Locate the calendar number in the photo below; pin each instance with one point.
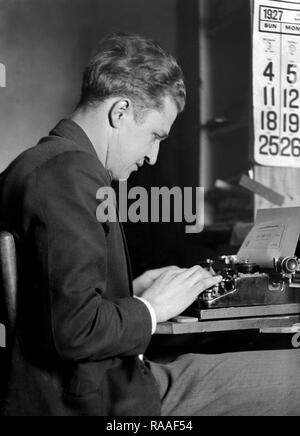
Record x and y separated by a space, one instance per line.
275 146
292 74
269 71
273 14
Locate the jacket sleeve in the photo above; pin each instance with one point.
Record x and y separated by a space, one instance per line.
72 249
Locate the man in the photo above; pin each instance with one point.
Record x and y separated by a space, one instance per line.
81 332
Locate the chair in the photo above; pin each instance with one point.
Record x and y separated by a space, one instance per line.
8 306
8 285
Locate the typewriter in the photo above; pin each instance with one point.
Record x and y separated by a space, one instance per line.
247 284
265 272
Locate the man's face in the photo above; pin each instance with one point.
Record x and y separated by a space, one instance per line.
135 142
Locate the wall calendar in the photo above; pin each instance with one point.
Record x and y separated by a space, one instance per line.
276 83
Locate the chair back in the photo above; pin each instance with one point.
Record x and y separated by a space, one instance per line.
8 277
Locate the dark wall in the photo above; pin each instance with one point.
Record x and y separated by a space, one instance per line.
163 244
45 44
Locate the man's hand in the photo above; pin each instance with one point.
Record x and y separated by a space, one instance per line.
175 290
142 283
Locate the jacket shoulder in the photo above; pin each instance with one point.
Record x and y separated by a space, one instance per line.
50 154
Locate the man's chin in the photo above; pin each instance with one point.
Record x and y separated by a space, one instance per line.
125 176
120 177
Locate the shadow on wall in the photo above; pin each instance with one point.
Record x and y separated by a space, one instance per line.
44 45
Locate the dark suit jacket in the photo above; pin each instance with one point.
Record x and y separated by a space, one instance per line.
79 328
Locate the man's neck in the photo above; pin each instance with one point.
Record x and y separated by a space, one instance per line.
94 126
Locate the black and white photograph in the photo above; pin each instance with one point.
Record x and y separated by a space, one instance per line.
149 211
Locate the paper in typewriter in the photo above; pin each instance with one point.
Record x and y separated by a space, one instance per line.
275 234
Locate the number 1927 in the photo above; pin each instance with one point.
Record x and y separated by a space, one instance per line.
273 14
276 146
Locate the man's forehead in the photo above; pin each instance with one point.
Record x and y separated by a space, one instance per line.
164 117
170 108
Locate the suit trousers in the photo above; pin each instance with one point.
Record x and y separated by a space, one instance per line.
252 383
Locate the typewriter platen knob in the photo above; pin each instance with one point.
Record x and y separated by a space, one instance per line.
286 265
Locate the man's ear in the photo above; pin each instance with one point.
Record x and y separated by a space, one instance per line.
118 111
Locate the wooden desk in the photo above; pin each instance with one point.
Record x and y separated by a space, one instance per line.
261 318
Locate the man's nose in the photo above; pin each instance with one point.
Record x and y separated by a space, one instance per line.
151 157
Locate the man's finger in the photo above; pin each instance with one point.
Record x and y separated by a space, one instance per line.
199 274
168 268
192 271
208 282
